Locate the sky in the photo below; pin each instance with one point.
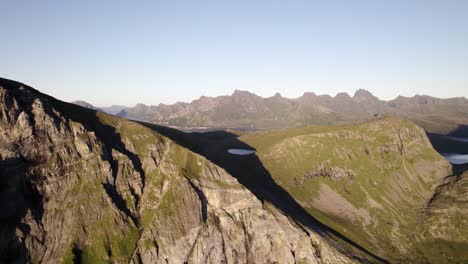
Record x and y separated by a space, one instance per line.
151 52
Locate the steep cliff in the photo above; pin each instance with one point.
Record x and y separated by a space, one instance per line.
80 186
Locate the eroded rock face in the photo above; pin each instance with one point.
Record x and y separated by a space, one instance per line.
333 172
77 185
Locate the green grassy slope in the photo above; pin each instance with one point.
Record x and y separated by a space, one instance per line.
370 182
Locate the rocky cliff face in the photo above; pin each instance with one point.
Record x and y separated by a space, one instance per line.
80 186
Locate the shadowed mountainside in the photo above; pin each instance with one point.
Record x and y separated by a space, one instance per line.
79 185
250 172
397 151
447 144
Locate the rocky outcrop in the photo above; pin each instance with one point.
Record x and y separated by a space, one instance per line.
82 186
327 170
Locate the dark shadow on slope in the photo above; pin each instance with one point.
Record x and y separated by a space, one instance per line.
85 116
19 193
112 140
202 198
247 169
251 173
118 201
448 145
459 169
460 131
16 199
77 253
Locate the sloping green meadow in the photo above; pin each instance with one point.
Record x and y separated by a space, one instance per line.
370 182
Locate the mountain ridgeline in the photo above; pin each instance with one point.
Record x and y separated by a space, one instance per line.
246 110
82 186
78 185
113 109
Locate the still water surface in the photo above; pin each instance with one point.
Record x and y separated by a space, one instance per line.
241 151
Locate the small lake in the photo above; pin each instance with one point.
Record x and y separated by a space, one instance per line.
241 151
456 158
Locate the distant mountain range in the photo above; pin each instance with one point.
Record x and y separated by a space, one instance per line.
246 110
113 109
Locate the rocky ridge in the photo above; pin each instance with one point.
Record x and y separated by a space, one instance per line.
246 110
80 186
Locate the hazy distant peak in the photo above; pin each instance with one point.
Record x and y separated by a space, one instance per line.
309 94
414 98
85 104
113 109
80 102
205 99
342 95
363 94
241 93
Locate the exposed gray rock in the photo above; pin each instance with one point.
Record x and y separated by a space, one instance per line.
81 185
333 172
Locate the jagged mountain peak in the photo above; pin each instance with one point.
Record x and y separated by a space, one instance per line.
242 93
343 95
363 94
245 109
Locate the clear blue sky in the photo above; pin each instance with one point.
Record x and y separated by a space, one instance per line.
125 52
